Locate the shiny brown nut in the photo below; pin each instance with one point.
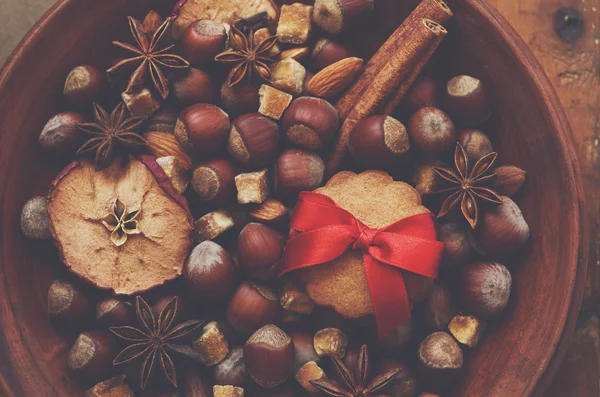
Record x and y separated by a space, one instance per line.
91 356
194 86
259 250
111 312
60 134
67 303
213 181
269 356
252 307
486 288
467 100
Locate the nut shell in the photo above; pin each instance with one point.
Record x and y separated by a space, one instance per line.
486 288
378 141
202 128
259 250
202 40
213 181
253 140
311 123
269 356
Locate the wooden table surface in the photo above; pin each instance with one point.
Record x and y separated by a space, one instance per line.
565 36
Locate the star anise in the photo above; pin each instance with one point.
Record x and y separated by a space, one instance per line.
150 56
109 133
121 223
247 57
469 185
155 340
355 385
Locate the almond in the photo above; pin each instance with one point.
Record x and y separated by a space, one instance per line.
509 179
270 211
162 144
335 78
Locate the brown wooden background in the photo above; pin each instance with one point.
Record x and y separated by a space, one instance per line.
569 50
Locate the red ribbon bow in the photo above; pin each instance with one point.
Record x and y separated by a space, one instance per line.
327 231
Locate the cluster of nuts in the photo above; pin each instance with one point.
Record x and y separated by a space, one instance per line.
247 151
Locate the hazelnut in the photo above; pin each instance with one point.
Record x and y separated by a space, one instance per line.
194 86
195 385
232 370
486 288
212 225
432 130
84 85
295 299
334 16
110 388
439 308
259 250
404 384
253 140
60 134
91 356
252 187
311 123
296 171
476 144
425 179
457 246
501 231
467 330
307 373
202 40
396 339
327 52
378 141
466 100
35 219
209 274
68 303
440 359
213 181
252 307
509 180
152 22
241 97
211 344
202 128
423 93
112 312
304 348
269 356
270 211
227 391
330 342
163 120
175 172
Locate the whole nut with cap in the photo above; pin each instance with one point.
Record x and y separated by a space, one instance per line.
60 134
85 84
210 274
68 303
439 308
431 130
476 144
486 288
202 40
297 171
35 221
194 86
439 360
253 140
378 141
423 92
457 245
466 100
202 129
213 181
335 16
111 312
91 356
269 356
327 52
311 123
252 307
259 250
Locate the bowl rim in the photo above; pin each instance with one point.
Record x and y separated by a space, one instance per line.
553 112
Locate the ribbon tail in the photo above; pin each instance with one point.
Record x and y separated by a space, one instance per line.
388 294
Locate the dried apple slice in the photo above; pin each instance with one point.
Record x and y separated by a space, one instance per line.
222 11
124 228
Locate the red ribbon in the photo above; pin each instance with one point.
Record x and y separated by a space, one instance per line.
327 231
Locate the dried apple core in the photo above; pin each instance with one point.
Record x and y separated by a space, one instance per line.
80 202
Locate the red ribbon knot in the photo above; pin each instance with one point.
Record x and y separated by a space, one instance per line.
327 231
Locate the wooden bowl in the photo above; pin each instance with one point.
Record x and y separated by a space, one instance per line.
529 129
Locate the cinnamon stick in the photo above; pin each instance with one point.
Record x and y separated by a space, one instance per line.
423 36
435 10
408 81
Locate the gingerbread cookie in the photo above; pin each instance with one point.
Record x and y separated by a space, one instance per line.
376 200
